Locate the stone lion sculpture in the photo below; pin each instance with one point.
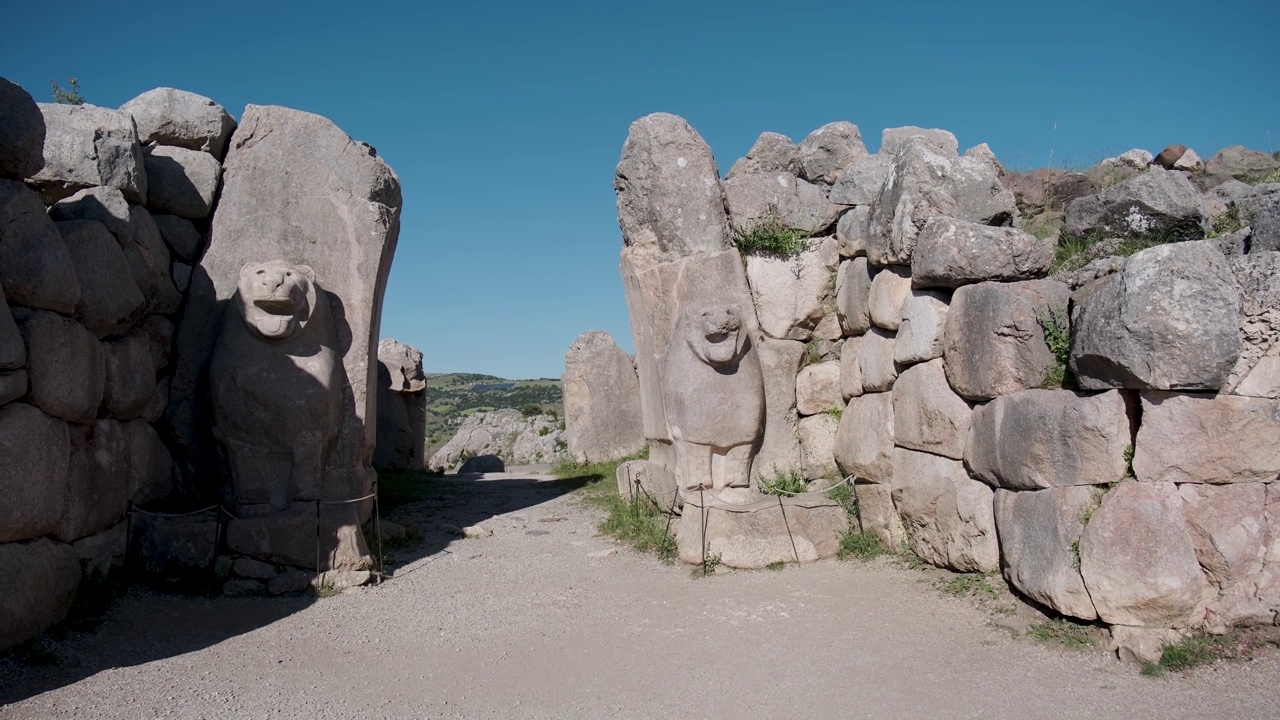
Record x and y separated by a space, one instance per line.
713 390
273 376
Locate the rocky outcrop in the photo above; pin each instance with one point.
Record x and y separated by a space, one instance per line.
177 118
508 434
601 400
1154 202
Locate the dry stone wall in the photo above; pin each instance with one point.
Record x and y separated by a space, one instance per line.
920 340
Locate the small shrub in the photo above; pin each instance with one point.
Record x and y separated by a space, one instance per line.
1063 632
835 412
777 565
544 431
1128 462
789 482
65 96
860 545
1057 335
531 410
770 236
710 562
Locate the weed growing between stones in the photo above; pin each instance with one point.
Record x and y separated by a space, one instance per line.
835 412
709 566
1074 252
787 482
1230 221
1056 325
1062 631
970 584
860 545
327 590
1197 650
778 565
770 236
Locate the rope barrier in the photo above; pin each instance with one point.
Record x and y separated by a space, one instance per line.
815 492
135 509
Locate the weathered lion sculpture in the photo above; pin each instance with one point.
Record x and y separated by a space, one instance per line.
276 395
713 390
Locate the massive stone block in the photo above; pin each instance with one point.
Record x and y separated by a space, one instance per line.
87 145
130 374
106 205
402 407
1169 320
771 153
924 320
994 342
1049 438
1262 211
1138 560
182 182
818 388
34 471
21 133
1257 371
1040 541
182 237
828 151
793 295
851 231
894 140
150 463
601 400
864 442
1155 201
853 296
1201 438
167 116
949 517
876 514
927 415
780 449
860 183
778 199
97 493
818 445
757 534
951 253
1230 531
65 365
35 268
890 289
40 580
1241 162
851 368
295 188
110 301
149 262
13 353
875 359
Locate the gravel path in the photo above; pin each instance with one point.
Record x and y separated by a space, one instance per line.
540 621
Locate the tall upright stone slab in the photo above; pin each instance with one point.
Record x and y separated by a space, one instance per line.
305 206
402 407
601 400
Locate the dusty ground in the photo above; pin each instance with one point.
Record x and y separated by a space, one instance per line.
531 623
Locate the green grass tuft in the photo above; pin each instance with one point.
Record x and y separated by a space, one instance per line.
1056 325
777 565
787 482
860 545
771 236
1062 631
640 523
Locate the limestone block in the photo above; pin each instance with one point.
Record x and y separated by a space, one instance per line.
1049 438
40 580
1138 559
65 365
876 361
150 464
1039 542
853 295
35 267
180 235
851 368
13 353
181 276
818 388
1169 320
97 493
105 205
167 116
876 514
828 151
13 385
793 295
889 292
951 253
927 415
102 553
851 231
1230 532
994 343
1262 211
182 182
778 198
601 400
291 538
860 183
1257 371
758 534
1155 201
771 153
818 444
864 442
1201 438
404 365
924 182
983 152
21 133
130 375
949 517
110 302
924 320
149 262
780 365
1241 162
893 140
34 471
87 145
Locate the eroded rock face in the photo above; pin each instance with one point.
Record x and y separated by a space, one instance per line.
818 388
168 116
1257 371
35 268
13 353
1202 438
1241 162
853 296
21 133
894 140
1262 211
818 442
951 253
1039 539
949 517
182 182
1138 559
110 301
97 494
876 514
87 145
1170 320
860 183
851 368
41 578
757 534
927 415
879 372
864 442
890 289
924 320
1230 531
601 400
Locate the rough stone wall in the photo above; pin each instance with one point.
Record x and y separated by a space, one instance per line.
906 347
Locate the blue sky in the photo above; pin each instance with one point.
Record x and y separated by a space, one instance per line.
504 120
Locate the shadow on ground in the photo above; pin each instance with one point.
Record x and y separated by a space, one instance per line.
145 625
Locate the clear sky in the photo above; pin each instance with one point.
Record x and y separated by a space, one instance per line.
504 120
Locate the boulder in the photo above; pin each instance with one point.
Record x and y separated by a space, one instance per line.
927 415
994 341
1168 321
818 388
35 474
949 517
404 366
1257 371
778 199
167 116
875 359
601 400
894 140
180 235
1068 187
35 268
828 151
482 464
1117 169
21 133
889 291
183 182
1049 438
1138 560
1203 438
1170 156
851 231
102 553
40 580
1241 163
758 534
771 153
150 463
130 375
13 385
876 514
1262 212
87 145
1040 545
780 366
860 183
864 442
13 353
110 301
951 253
103 204
1158 201
793 295
149 262
924 320
1031 189
64 364
1230 532
97 493
818 445
851 368
925 182
1189 162
853 295
983 152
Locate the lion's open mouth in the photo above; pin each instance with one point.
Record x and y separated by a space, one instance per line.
275 306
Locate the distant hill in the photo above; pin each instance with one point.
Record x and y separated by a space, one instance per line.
453 396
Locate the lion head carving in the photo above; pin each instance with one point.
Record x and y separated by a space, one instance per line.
715 334
276 298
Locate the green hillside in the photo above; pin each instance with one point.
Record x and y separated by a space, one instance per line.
453 396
